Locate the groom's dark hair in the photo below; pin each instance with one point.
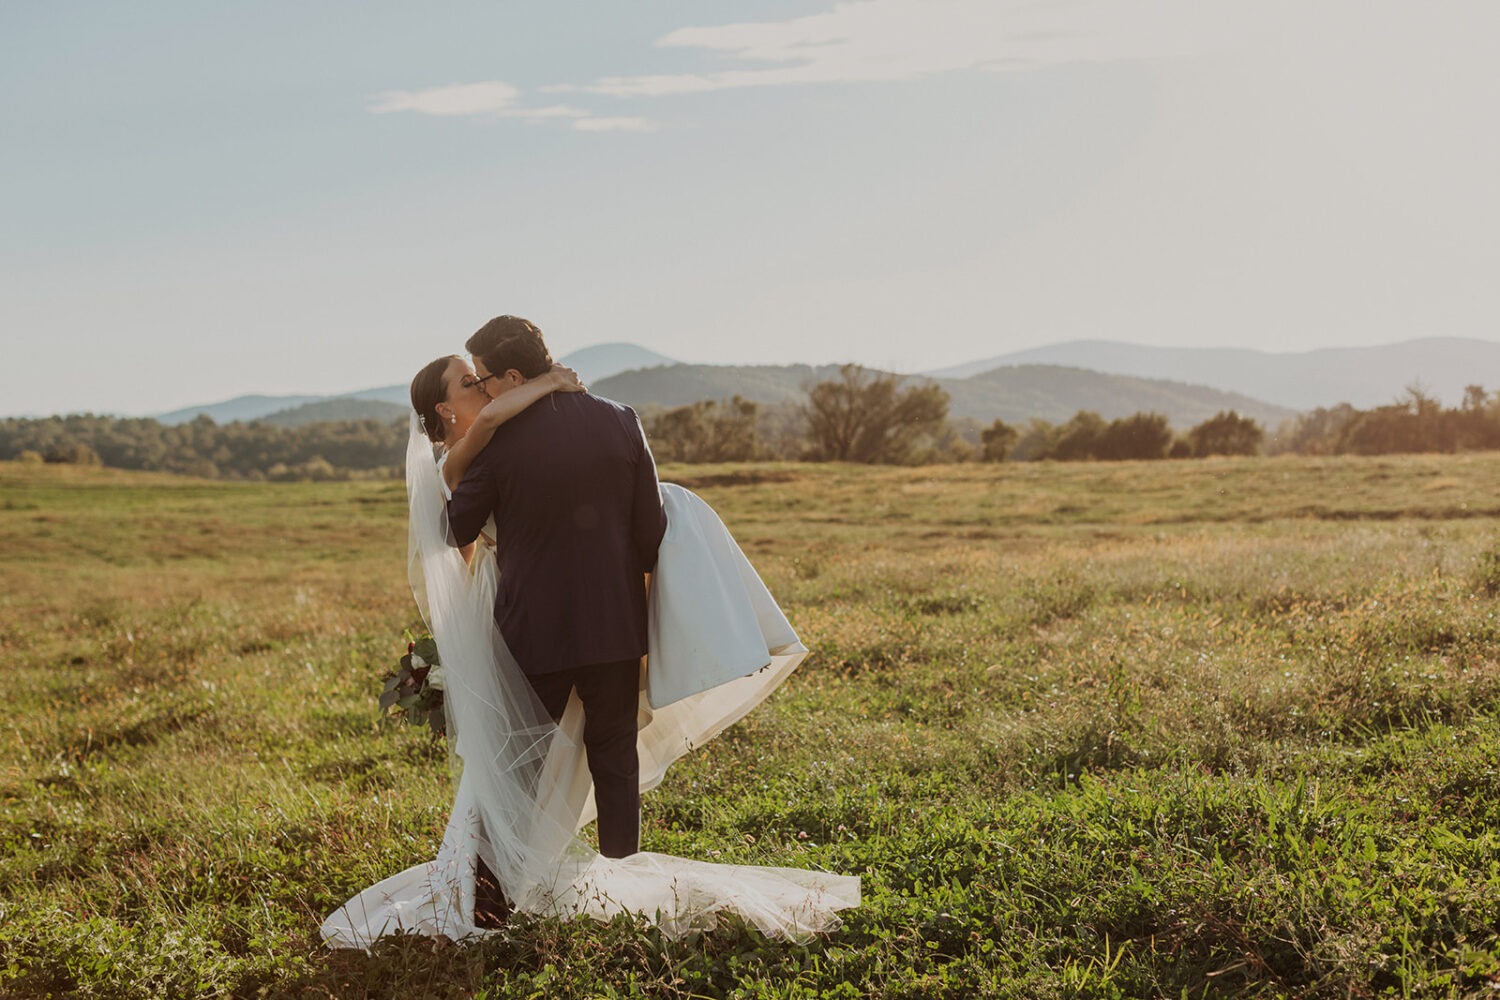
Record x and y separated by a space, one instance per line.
507 342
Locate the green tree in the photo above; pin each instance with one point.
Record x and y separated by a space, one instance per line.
202 447
71 453
1078 439
707 431
999 440
1226 433
865 416
1037 442
1138 436
1414 423
1477 423
1316 432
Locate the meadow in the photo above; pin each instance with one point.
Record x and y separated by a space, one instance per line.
1203 729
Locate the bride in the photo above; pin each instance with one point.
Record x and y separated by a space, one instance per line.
719 646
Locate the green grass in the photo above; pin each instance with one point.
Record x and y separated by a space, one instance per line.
1220 728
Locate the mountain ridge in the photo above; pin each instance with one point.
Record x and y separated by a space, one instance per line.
592 363
1302 380
1013 394
1290 381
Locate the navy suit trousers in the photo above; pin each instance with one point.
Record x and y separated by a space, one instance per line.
610 694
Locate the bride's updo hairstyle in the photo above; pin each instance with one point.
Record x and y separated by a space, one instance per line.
507 342
428 389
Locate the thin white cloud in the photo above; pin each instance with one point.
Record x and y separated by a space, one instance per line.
881 40
884 40
551 111
619 124
497 99
489 97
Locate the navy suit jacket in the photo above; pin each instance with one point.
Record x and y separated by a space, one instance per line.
572 485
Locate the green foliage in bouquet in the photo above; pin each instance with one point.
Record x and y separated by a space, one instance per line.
415 690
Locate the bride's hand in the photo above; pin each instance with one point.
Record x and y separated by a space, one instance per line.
565 379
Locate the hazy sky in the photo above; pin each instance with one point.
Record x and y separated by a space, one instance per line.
200 200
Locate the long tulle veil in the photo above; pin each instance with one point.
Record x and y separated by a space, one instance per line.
523 790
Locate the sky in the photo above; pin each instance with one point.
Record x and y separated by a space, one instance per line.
204 200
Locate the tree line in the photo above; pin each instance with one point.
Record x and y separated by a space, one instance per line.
870 417
1416 422
344 449
858 416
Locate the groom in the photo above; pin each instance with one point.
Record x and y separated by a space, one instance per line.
572 485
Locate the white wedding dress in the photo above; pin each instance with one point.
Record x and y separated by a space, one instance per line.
718 647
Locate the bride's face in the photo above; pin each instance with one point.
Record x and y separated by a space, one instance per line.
464 399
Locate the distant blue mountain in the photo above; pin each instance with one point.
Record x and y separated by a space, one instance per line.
605 360
339 408
1301 380
592 364
238 408
1014 394
1267 385
398 394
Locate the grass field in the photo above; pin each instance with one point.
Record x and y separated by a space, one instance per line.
1214 728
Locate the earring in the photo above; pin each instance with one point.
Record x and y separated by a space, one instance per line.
452 418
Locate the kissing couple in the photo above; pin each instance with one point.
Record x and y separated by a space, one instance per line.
593 626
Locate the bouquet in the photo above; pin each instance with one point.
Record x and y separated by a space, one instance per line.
415 690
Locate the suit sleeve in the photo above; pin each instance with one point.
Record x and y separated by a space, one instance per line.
471 504
648 519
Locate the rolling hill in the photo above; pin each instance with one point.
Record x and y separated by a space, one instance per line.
592 364
1054 393
1364 376
238 408
605 360
1186 383
1012 394
339 408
